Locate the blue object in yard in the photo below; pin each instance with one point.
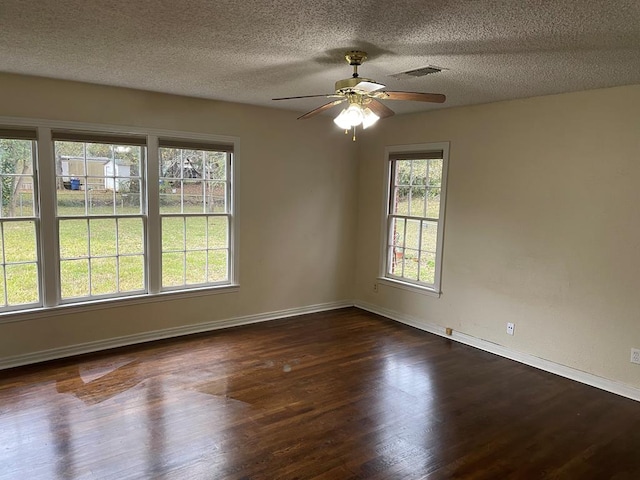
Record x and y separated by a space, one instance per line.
75 184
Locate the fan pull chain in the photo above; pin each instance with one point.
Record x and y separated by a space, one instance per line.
354 134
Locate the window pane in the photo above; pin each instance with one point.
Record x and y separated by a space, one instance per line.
429 236
101 202
19 241
74 278
417 201
418 172
435 173
99 170
196 230
170 163
131 273
433 203
427 267
216 197
196 267
173 233
73 238
410 264
218 232
103 236
130 236
128 197
192 196
413 234
170 197
22 284
396 258
400 201
17 196
216 165
217 266
172 269
103 276
397 231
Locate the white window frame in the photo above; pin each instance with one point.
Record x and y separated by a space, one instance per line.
48 248
35 218
95 137
384 277
227 214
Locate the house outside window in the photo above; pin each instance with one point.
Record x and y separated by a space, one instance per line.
414 219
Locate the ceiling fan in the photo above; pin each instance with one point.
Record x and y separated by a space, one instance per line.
363 96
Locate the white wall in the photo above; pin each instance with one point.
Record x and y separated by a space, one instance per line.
297 209
542 225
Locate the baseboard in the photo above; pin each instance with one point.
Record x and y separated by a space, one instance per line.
531 360
90 347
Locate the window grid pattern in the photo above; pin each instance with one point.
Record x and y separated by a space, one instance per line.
195 212
100 219
20 267
413 221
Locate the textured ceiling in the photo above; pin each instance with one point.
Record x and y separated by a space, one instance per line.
252 51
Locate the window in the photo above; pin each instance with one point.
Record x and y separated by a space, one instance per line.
102 215
415 211
19 263
195 201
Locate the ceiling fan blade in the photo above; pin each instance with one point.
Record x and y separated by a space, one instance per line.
325 95
321 109
380 109
414 96
369 86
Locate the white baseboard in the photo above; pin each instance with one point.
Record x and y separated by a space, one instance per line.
90 347
531 360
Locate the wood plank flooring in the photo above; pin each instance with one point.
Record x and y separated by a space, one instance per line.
336 395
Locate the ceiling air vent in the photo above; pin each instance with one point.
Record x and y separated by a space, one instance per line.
418 72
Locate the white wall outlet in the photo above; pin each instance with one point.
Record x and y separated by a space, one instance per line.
635 355
510 328
375 287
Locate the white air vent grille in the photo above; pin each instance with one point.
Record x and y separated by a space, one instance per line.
418 72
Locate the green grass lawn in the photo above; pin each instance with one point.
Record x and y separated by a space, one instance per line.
106 256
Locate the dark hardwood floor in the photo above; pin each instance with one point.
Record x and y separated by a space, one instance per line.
336 395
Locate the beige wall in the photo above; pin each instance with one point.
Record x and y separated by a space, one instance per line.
542 225
296 208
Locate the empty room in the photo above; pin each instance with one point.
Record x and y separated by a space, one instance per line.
328 240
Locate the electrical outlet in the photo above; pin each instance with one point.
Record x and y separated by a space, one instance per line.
635 355
510 328
375 287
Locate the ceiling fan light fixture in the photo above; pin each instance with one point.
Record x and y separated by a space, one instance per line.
369 118
354 114
342 121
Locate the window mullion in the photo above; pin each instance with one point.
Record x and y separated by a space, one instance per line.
46 190
154 227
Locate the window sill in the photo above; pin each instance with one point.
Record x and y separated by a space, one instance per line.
90 305
410 287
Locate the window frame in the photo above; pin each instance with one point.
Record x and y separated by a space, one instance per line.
47 220
206 215
84 138
13 131
384 277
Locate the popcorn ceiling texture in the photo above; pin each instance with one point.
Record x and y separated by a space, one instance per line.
252 51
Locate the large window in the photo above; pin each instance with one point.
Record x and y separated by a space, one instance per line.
99 215
19 265
415 211
195 201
